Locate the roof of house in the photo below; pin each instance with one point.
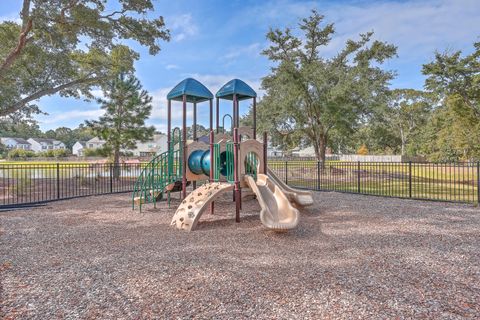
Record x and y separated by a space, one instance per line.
47 141
17 140
83 143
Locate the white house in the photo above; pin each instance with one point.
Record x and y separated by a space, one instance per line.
95 143
16 143
305 152
41 144
78 148
152 147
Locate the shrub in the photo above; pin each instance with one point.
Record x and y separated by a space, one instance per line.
16 154
363 150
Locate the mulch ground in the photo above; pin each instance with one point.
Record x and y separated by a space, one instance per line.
352 257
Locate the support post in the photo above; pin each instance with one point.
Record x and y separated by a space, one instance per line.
318 175
217 114
478 183
254 118
234 112
358 177
58 180
194 121
265 154
194 183
111 177
409 179
286 172
184 152
212 161
236 177
169 124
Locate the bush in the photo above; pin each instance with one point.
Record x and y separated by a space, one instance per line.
16 154
363 150
58 153
98 152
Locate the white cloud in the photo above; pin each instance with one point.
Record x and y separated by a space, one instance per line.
171 66
71 115
251 50
418 27
182 26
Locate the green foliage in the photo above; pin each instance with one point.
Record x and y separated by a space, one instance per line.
69 47
57 153
97 152
126 106
453 131
308 97
20 154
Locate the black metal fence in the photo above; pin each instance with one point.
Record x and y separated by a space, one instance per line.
35 183
458 182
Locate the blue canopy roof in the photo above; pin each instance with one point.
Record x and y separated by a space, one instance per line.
238 87
193 89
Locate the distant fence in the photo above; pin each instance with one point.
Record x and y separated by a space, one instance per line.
35 183
458 182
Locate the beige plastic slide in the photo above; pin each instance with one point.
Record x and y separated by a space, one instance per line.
192 207
277 212
301 197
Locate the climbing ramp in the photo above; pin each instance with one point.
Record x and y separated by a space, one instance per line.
277 212
193 206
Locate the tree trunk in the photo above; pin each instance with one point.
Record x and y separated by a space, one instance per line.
116 164
402 136
320 147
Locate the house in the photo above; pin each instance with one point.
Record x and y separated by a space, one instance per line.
78 148
152 147
95 143
304 153
41 144
16 143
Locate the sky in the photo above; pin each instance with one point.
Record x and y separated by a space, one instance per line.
215 41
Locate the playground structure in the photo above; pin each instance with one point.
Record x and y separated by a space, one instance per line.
228 162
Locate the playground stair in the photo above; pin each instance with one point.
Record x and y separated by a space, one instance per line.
161 174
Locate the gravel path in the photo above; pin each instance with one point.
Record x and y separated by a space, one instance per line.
352 257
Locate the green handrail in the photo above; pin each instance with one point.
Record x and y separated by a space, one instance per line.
162 170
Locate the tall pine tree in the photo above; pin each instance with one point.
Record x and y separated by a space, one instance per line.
126 106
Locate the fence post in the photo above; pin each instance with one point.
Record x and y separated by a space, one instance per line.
478 182
318 175
409 179
111 177
286 171
58 180
358 177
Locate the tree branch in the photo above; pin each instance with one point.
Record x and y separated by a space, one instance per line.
12 56
37 95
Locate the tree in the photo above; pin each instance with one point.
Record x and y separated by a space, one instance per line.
308 96
452 74
69 47
407 112
126 106
453 132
